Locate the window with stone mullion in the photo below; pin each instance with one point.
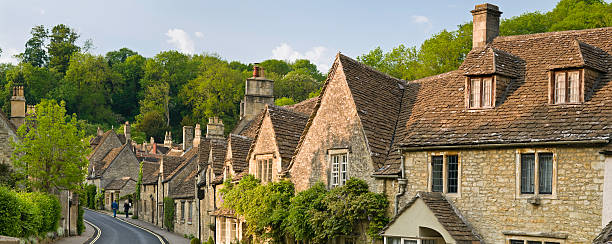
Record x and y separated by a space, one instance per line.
437 167
452 180
545 162
527 173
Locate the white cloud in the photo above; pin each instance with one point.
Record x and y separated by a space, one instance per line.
199 34
316 55
181 40
419 19
7 55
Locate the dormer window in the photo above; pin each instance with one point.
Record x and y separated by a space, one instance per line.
566 87
480 92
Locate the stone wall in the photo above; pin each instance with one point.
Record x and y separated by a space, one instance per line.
7 134
336 126
112 141
125 165
186 226
489 195
265 145
148 203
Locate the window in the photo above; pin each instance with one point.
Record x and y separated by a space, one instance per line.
264 169
566 87
513 241
222 233
182 211
536 168
481 92
233 226
445 173
339 168
190 212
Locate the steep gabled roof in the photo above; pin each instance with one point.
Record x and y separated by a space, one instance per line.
169 164
305 107
439 116
240 146
489 60
605 236
150 172
102 165
218 149
447 215
185 186
101 141
203 152
288 126
188 157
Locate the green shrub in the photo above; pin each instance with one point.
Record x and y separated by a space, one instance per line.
100 200
90 196
210 240
169 213
10 213
80 225
195 241
51 211
31 215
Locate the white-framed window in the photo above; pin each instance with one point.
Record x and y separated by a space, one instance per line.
264 168
445 173
480 92
567 86
339 169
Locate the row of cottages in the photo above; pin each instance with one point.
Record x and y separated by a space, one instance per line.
513 147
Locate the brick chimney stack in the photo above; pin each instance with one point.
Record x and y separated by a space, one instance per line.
197 136
486 24
187 137
18 106
214 128
127 131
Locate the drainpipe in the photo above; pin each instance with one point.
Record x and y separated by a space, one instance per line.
401 183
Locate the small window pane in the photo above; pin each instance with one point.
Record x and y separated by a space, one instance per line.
475 93
335 171
259 168
560 87
574 84
343 169
545 172
487 91
393 240
410 241
527 173
269 170
517 242
534 242
453 170
428 241
436 170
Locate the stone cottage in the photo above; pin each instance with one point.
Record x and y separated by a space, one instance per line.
511 147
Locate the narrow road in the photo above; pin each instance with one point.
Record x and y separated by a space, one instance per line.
116 231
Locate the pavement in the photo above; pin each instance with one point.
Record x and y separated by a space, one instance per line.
167 236
87 234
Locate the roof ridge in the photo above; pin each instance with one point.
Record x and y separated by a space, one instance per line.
286 110
370 68
544 34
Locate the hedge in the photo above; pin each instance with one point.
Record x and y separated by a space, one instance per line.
28 214
169 213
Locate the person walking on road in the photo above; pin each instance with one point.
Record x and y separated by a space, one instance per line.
126 208
115 206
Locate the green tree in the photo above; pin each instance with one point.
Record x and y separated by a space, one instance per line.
277 66
284 101
296 84
125 96
309 67
53 151
35 53
61 47
153 125
119 56
301 212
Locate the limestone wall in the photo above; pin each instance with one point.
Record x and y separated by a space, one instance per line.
490 199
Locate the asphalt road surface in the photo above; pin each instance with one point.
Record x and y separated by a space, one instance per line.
115 231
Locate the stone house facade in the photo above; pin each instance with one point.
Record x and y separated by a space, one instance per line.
511 147
148 192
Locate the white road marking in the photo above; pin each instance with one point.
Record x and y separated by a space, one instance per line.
96 227
152 233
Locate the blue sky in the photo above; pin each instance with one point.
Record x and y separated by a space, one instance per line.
247 31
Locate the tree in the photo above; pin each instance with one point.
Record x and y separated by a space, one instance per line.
157 99
277 66
309 67
153 125
61 47
35 53
301 212
284 101
296 84
116 57
125 96
53 151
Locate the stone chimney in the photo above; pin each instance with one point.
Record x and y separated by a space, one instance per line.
486 24
127 131
168 139
215 128
100 132
18 106
197 135
259 91
187 137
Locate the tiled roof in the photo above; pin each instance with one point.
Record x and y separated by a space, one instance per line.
104 137
118 184
488 60
8 122
240 146
186 159
218 149
185 187
170 163
605 236
439 116
252 127
102 165
448 216
306 107
121 138
288 126
224 212
95 141
204 152
150 172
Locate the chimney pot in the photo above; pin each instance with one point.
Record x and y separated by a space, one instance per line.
258 71
485 24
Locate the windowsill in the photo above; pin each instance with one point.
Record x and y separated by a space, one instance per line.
566 104
453 195
541 196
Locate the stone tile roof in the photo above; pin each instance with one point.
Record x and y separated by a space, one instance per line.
288 126
605 236
95 141
252 127
102 165
169 164
185 188
240 146
489 60
8 122
306 107
203 152
188 157
439 116
448 216
150 172
118 184
102 139
224 212
218 150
